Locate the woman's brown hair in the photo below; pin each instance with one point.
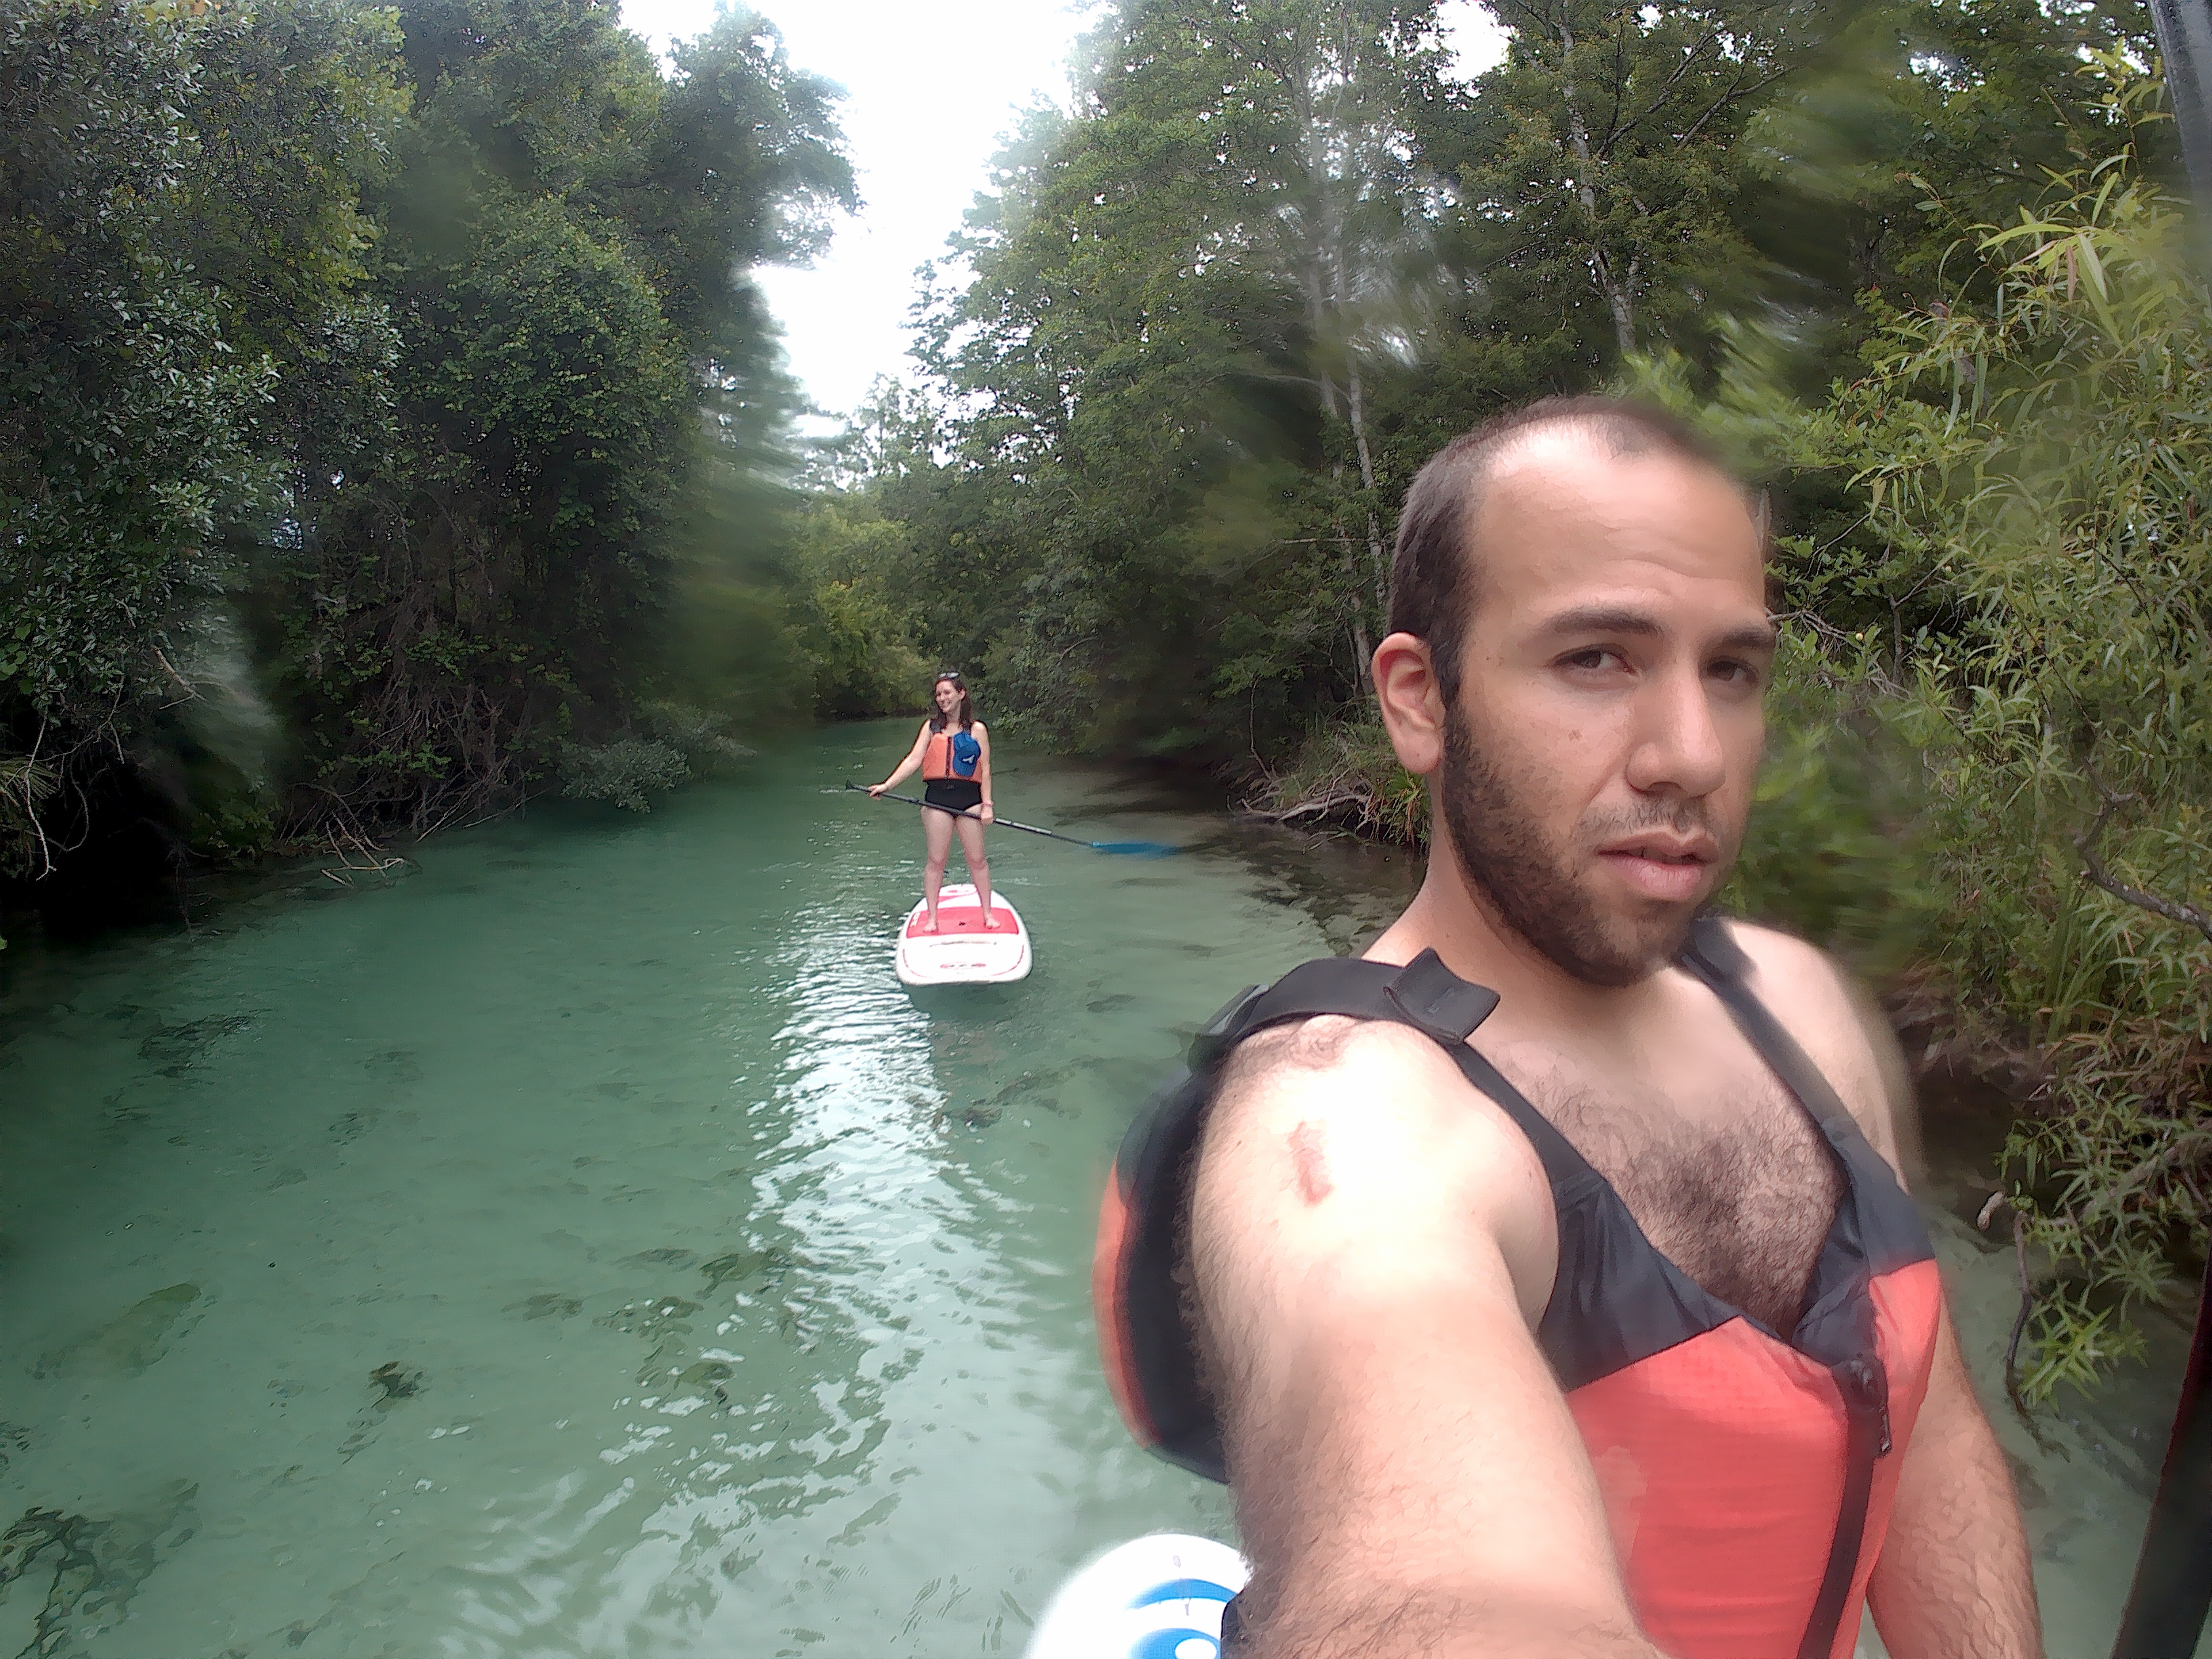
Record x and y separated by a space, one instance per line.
967 714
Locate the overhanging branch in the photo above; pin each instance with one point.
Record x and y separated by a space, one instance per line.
2085 842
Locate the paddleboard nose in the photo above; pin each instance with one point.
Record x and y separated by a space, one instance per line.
1160 1597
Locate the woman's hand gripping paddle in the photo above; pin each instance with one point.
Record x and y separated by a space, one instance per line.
1135 849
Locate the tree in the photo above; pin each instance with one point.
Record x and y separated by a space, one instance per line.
1601 159
491 581
170 250
1164 371
398 369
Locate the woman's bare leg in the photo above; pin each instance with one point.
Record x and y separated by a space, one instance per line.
979 867
937 837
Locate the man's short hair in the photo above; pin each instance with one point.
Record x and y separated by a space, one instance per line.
1433 574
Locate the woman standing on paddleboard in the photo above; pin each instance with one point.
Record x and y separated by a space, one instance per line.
954 754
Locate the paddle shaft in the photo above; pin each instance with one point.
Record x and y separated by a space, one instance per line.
955 812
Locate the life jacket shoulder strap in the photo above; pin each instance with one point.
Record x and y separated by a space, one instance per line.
1714 956
1424 994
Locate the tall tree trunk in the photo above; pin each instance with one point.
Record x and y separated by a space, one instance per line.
1619 297
1365 652
1356 401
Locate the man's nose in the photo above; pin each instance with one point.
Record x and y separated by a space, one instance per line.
1678 749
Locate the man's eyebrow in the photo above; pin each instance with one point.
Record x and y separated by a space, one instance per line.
1624 620
1762 637
1603 619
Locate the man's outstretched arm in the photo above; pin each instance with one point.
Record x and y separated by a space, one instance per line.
1371 1241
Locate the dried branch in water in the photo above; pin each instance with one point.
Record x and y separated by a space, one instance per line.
1323 805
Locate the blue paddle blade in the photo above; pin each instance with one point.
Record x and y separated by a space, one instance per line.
1135 849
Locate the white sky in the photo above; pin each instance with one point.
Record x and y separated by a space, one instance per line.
930 90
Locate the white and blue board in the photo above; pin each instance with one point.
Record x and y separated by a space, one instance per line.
1159 1597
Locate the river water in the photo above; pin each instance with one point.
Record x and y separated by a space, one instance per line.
585 1246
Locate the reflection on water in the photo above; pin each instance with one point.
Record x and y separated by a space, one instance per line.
585 1246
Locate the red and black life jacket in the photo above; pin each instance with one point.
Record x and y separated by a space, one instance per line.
1747 1476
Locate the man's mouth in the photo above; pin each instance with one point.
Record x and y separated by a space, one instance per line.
1669 868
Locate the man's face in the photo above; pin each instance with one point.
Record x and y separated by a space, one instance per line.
1598 763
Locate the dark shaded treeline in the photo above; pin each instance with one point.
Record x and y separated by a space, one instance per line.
1198 336
389 423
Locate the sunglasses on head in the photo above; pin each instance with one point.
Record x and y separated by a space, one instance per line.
949 675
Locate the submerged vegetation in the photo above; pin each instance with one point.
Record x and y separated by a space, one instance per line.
389 429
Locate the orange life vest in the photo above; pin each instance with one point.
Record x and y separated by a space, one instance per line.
1747 1476
945 754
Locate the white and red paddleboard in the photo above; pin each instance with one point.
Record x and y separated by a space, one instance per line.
962 952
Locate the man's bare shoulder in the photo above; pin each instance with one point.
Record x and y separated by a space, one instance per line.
1840 1026
1365 1129
1372 1076
1334 1051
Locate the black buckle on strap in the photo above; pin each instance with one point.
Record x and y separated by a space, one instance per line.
1437 1001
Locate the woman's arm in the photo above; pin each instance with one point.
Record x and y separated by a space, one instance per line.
983 768
907 767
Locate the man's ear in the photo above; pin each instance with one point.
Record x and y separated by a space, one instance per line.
1413 702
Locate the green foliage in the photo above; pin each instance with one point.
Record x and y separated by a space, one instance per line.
1164 365
1211 324
25 783
580 390
1604 166
624 771
420 343
130 445
1346 775
676 743
178 185
1836 848
854 620
2030 462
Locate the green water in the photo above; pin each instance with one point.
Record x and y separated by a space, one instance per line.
585 1246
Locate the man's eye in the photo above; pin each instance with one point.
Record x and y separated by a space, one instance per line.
1596 657
1738 674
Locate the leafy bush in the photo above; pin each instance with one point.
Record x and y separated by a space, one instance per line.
1347 774
1836 849
862 662
701 736
624 771
680 743
2031 811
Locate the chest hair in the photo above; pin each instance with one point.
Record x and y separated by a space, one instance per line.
1739 1198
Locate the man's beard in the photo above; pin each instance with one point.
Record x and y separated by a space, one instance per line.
1528 884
